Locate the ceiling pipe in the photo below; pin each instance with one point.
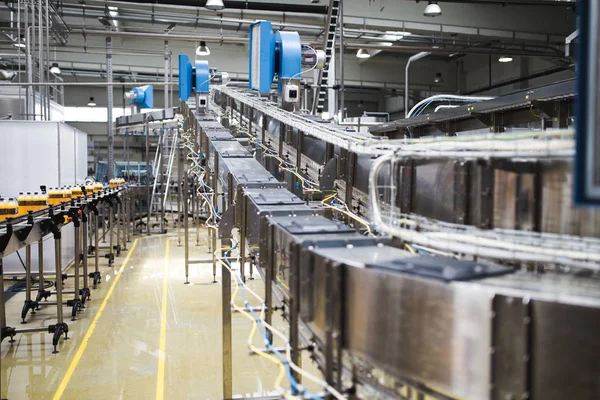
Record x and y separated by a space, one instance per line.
242 5
561 3
416 57
350 46
154 18
169 36
101 84
370 46
451 50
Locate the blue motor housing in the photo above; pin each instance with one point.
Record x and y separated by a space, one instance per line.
272 53
289 55
143 96
186 81
202 76
192 79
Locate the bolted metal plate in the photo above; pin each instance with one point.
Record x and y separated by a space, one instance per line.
273 197
229 149
314 224
219 135
444 269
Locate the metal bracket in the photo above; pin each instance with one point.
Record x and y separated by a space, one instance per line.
328 175
227 223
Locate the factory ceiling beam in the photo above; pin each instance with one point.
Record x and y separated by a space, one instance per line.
242 5
561 3
513 49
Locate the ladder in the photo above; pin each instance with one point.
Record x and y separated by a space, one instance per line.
163 169
328 43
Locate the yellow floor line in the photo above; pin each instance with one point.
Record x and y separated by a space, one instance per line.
90 331
160 376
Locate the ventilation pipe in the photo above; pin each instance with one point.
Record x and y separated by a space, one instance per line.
416 57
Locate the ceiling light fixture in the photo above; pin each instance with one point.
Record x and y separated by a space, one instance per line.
505 59
91 103
432 9
113 12
19 43
214 5
363 53
203 49
438 78
55 69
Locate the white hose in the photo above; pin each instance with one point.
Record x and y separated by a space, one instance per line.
475 246
443 106
443 97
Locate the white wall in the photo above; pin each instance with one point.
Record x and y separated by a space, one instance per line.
41 153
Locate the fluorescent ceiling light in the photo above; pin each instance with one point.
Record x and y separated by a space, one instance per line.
55 69
363 53
19 43
505 59
396 35
113 12
432 9
91 103
214 5
203 49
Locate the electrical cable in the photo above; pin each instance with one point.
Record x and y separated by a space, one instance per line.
475 246
308 70
260 321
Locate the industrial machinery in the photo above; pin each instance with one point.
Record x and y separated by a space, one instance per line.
140 97
406 262
587 176
280 54
194 79
86 212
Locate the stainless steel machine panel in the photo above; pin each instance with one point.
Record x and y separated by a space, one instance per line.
268 201
415 328
219 134
227 149
283 231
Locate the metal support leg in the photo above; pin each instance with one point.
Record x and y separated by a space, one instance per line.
195 200
179 189
186 227
125 222
148 173
227 351
268 263
111 220
243 241
29 304
42 293
103 219
118 223
6 331
96 252
85 291
60 326
76 266
294 308
131 215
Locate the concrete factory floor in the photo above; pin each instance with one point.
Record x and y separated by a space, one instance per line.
144 335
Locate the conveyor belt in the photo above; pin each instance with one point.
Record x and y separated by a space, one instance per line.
454 329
